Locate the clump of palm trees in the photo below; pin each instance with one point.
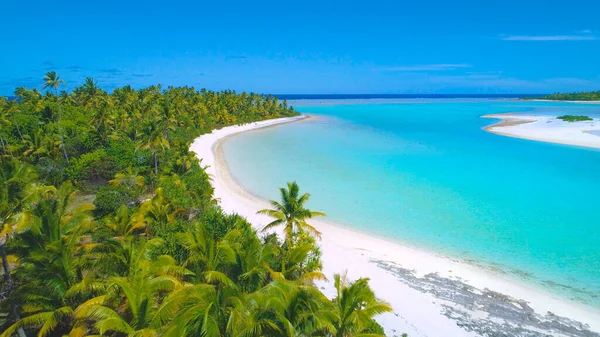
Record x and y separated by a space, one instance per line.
168 262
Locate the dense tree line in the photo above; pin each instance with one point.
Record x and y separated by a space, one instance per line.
574 96
109 226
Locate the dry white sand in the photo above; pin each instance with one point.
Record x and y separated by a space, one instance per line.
431 295
553 100
547 129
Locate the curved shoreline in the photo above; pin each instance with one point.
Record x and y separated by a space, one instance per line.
545 129
431 295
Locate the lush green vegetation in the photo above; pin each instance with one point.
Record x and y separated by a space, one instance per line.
574 96
572 118
109 226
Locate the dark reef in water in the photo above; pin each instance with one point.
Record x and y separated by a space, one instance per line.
485 312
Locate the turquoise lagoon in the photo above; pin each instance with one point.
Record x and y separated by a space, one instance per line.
424 173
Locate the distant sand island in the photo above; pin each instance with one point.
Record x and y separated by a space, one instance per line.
569 130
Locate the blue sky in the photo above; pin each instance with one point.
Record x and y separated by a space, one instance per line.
426 46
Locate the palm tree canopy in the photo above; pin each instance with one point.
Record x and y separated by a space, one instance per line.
52 81
291 213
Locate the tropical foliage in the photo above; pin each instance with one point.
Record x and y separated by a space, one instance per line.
109 226
574 96
573 118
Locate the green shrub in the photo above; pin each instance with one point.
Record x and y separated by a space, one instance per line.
51 171
123 152
109 199
572 118
190 190
219 223
198 185
92 166
26 123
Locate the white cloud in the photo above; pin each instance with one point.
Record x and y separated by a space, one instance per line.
549 37
428 67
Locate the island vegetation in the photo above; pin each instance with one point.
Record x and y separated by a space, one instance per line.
573 96
573 118
109 225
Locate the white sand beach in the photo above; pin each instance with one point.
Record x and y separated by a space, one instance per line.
546 129
563 101
431 295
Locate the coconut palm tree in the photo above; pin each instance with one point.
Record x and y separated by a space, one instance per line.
293 265
355 307
53 81
157 211
16 190
154 138
282 309
12 108
4 122
49 255
200 310
207 255
291 213
130 305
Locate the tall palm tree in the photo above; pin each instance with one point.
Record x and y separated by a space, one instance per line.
355 306
4 122
53 81
12 108
154 138
291 213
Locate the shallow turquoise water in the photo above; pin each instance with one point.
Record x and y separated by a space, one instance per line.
426 174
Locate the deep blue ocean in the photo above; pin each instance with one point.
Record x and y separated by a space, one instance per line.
424 173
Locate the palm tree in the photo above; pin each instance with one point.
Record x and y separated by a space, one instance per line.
132 308
17 189
155 139
291 213
293 265
4 122
49 252
12 108
53 81
207 255
355 306
199 310
158 211
282 309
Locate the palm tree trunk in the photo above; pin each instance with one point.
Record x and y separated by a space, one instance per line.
18 128
8 280
62 142
20 331
155 162
5 266
3 146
